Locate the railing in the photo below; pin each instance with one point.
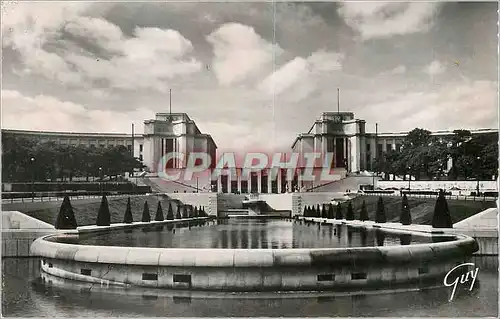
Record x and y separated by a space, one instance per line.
434 196
61 197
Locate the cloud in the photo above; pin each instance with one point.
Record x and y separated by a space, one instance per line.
401 69
468 105
301 74
239 52
434 68
150 59
48 113
385 19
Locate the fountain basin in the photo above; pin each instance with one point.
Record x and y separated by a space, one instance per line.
223 269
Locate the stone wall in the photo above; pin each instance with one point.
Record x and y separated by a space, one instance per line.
434 185
253 270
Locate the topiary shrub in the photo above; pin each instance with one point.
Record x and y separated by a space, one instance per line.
338 213
159 213
364 213
380 215
103 216
318 211
405 217
196 214
127 218
350 212
146 218
170 212
331 213
66 217
184 212
442 217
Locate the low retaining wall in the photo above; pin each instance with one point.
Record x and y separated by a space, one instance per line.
253 269
19 231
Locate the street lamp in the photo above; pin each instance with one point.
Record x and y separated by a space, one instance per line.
32 179
197 189
409 179
100 180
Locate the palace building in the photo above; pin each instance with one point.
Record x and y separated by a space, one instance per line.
340 133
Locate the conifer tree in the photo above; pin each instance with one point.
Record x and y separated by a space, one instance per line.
127 218
338 214
66 217
103 216
405 217
146 218
380 214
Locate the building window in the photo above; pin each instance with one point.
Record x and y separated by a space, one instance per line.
86 272
368 145
140 157
358 276
182 278
147 276
326 277
129 148
423 270
140 147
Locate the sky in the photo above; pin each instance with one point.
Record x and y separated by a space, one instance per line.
251 74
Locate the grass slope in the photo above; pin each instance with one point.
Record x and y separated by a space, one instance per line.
421 209
86 213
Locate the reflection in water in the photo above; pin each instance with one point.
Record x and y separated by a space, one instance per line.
405 239
363 236
380 237
253 234
25 294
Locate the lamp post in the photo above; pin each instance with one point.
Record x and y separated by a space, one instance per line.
32 179
197 189
409 179
100 180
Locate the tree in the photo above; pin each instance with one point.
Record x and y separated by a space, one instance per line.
170 211
184 212
338 214
318 211
442 217
405 216
380 215
323 211
127 219
350 212
364 213
331 214
66 217
196 213
103 216
159 213
146 218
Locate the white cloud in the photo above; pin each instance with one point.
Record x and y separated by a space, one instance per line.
48 113
149 59
385 19
400 69
434 68
301 74
239 52
468 105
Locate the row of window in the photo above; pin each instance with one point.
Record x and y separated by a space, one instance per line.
361 275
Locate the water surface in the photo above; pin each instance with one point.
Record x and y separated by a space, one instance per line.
253 234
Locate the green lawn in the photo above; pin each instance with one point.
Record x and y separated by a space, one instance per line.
86 213
421 209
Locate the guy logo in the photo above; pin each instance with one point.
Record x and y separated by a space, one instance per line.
463 278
